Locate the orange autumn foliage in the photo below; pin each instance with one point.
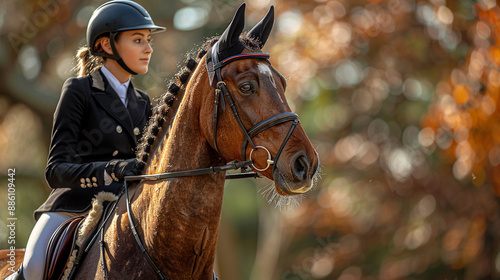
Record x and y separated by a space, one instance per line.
468 108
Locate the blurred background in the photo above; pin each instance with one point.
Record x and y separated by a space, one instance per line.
400 98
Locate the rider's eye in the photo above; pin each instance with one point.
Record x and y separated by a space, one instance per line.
248 88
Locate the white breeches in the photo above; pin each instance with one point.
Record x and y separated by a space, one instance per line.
34 257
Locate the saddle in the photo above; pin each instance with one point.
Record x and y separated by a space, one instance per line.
66 248
60 246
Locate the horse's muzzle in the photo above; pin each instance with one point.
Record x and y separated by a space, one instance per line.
299 178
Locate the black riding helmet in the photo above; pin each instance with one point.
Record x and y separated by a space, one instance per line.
113 17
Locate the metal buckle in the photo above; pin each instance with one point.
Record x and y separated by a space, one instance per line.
269 160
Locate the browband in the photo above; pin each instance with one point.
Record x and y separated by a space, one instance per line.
214 65
241 56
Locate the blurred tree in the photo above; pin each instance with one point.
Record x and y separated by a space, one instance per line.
363 75
399 96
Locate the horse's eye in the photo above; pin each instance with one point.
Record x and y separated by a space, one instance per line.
248 88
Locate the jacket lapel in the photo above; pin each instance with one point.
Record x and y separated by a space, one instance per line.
111 103
136 106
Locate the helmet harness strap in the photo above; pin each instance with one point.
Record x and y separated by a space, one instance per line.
116 55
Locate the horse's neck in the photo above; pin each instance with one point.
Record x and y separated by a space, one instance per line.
180 217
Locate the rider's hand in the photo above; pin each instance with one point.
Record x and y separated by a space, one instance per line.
120 168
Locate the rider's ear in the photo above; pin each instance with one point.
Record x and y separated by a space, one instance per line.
103 45
262 29
230 37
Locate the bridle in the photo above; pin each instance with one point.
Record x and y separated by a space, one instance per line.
221 94
214 66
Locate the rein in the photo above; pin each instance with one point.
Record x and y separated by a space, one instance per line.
234 165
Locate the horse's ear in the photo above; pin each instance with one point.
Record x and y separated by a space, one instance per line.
231 35
262 29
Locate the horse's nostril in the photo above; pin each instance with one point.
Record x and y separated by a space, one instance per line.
301 167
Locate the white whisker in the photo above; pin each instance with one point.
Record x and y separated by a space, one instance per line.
281 202
317 176
319 171
288 202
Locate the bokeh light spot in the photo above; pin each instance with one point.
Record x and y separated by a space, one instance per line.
190 18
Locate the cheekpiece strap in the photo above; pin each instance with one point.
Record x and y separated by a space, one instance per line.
116 56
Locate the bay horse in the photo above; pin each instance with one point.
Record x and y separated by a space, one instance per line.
227 104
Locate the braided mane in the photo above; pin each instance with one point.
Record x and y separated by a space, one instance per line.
157 121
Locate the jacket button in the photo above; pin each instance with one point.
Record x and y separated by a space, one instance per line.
119 129
115 153
137 131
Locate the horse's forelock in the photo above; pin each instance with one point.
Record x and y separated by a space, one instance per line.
250 42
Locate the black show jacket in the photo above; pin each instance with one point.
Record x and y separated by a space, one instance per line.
91 127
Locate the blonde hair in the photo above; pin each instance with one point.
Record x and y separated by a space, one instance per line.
87 62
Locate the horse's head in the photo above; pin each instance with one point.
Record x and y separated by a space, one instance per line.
250 118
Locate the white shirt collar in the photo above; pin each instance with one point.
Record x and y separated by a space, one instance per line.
120 88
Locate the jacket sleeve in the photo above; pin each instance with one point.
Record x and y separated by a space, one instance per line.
65 168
